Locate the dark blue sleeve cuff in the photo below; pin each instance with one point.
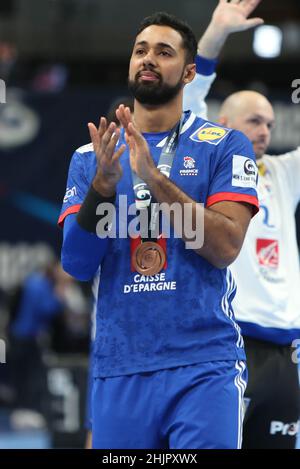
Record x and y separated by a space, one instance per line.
205 66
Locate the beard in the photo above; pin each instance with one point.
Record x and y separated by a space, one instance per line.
153 94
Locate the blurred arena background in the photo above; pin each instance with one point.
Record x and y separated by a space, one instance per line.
63 62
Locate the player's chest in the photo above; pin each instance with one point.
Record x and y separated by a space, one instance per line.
188 170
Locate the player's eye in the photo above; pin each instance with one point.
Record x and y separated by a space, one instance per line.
165 53
254 121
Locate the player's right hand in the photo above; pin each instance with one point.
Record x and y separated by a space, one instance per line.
109 170
233 16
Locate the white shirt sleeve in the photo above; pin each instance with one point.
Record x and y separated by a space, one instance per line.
289 163
195 93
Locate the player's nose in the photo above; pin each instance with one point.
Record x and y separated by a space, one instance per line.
149 59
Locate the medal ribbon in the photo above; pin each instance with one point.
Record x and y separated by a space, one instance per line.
142 192
143 196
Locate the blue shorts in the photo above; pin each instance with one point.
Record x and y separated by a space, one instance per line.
190 407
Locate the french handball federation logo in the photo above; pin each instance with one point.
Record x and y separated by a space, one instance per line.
190 168
189 162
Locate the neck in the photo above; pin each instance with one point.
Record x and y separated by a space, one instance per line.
158 118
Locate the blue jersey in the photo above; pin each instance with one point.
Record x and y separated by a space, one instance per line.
182 315
38 306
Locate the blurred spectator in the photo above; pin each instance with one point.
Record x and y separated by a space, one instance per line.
43 296
50 78
8 58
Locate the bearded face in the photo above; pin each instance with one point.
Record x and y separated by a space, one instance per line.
149 88
157 66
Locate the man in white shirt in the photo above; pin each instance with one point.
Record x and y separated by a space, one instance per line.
267 304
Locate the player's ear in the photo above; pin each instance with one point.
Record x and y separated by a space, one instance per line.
189 73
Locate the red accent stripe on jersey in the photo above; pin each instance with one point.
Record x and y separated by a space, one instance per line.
73 209
233 197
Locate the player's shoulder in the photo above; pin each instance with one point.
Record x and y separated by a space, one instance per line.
84 156
85 149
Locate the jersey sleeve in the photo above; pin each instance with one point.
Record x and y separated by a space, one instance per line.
289 163
234 172
77 188
195 93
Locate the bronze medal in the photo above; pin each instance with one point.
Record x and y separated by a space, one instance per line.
148 258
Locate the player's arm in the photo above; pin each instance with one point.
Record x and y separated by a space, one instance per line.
289 165
226 220
228 17
225 223
82 249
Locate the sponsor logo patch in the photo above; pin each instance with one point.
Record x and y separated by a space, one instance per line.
189 164
210 134
244 172
70 192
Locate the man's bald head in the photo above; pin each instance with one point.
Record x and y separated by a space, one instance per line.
251 113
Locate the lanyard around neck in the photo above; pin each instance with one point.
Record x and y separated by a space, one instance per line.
142 192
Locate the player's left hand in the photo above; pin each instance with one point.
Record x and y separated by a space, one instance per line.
141 160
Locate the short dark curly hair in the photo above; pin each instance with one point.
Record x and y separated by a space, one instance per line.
162 18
